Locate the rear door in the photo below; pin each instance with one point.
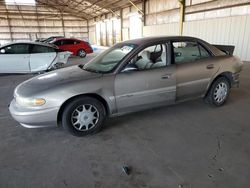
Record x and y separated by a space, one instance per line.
68 45
194 68
15 58
147 86
41 57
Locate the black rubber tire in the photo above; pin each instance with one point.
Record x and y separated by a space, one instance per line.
79 53
68 110
210 95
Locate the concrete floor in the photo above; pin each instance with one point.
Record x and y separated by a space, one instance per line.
185 145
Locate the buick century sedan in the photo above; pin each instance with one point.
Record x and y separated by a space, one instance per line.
130 76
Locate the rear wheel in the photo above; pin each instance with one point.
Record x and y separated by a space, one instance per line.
83 116
218 92
81 53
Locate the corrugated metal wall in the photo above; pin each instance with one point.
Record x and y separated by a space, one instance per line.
229 30
30 22
105 30
164 29
217 22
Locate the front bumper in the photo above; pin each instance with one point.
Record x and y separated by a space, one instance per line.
33 118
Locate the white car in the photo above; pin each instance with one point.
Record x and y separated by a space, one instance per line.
31 57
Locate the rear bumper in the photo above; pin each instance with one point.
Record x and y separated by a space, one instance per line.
89 50
34 118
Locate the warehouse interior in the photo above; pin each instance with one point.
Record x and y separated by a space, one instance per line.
108 22
183 146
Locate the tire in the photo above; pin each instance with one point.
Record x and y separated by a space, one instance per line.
81 53
218 92
90 118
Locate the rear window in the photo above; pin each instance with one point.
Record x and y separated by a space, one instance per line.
188 51
58 43
42 49
67 42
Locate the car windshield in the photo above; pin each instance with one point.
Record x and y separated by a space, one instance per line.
109 59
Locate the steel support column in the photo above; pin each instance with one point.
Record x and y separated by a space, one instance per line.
63 24
182 16
8 21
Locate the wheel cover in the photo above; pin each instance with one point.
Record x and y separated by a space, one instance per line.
220 92
82 53
85 117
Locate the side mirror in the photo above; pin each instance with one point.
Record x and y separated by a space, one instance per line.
2 51
130 68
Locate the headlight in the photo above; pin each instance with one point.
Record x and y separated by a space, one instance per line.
30 102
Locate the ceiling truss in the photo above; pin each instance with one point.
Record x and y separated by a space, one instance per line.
87 9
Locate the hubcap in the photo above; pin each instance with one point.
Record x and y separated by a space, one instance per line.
220 92
82 53
85 117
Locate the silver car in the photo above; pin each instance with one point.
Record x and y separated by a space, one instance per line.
130 76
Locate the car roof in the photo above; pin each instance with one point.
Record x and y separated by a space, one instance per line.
144 40
34 43
67 39
59 36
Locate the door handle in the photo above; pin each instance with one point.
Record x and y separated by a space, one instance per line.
166 76
211 66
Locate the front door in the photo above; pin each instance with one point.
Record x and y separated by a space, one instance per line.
15 58
147 84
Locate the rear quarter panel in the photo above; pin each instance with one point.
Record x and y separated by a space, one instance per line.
86 47
227 64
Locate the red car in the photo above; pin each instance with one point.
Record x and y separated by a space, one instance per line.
77 47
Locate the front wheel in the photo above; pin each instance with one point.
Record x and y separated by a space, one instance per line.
81 53
83 116
218 92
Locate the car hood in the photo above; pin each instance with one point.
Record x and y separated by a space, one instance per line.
54 79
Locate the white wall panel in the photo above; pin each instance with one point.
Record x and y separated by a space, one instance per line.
165 29
229 30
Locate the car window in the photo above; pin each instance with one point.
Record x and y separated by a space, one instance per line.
16 49
58 43
203 52
154 56
188 52
109 59
158 48
76 42
42 49
154 48
67 42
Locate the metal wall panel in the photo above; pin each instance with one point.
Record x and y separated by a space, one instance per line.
164 29
229 30
27 23
233 30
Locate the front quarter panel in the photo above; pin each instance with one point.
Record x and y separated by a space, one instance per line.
102 86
